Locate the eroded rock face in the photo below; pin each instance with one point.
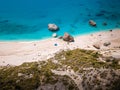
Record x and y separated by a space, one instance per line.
68 37
92 23
53 27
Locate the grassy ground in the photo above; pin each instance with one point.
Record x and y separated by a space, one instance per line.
30 76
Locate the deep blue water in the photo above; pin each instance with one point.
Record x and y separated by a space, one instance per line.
28 19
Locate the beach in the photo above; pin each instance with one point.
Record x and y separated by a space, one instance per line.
18 52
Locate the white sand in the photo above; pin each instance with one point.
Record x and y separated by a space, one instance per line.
15 53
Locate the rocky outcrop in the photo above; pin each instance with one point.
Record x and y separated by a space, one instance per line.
68 37
53 27
92 23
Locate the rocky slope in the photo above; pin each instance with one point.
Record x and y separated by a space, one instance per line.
68 70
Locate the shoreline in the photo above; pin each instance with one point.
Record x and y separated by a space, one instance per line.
35 40
18 52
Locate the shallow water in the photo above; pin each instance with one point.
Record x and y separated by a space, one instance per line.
28 19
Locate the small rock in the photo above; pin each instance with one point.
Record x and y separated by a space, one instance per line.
3 61
97 46
99 35
110 30
20 74
109 59
53 27
61 37
92 23
106 43
118 62
34 44
17 81
54 35
104 23
31 75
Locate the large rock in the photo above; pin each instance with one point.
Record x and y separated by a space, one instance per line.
53 27
68 37
92 23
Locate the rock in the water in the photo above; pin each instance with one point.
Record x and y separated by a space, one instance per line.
104 23
54 35
53 27
106 43
97 46
92 23
110 30
68 37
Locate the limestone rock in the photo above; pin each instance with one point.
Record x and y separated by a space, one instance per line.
53 27
20 74
68 37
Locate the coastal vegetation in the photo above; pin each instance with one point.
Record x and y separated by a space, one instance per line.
75 64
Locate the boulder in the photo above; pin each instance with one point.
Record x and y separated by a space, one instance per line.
68 37
92 23
53 27
106 43
54 35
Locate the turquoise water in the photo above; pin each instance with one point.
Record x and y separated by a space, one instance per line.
28 19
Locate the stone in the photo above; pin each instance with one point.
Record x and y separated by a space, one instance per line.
54 35
97 46
17 81
119 62
31 75
61 37
106 43
20 74
53 27
110 30
92 23
68 37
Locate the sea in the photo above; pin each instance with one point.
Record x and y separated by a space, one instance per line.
29 19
